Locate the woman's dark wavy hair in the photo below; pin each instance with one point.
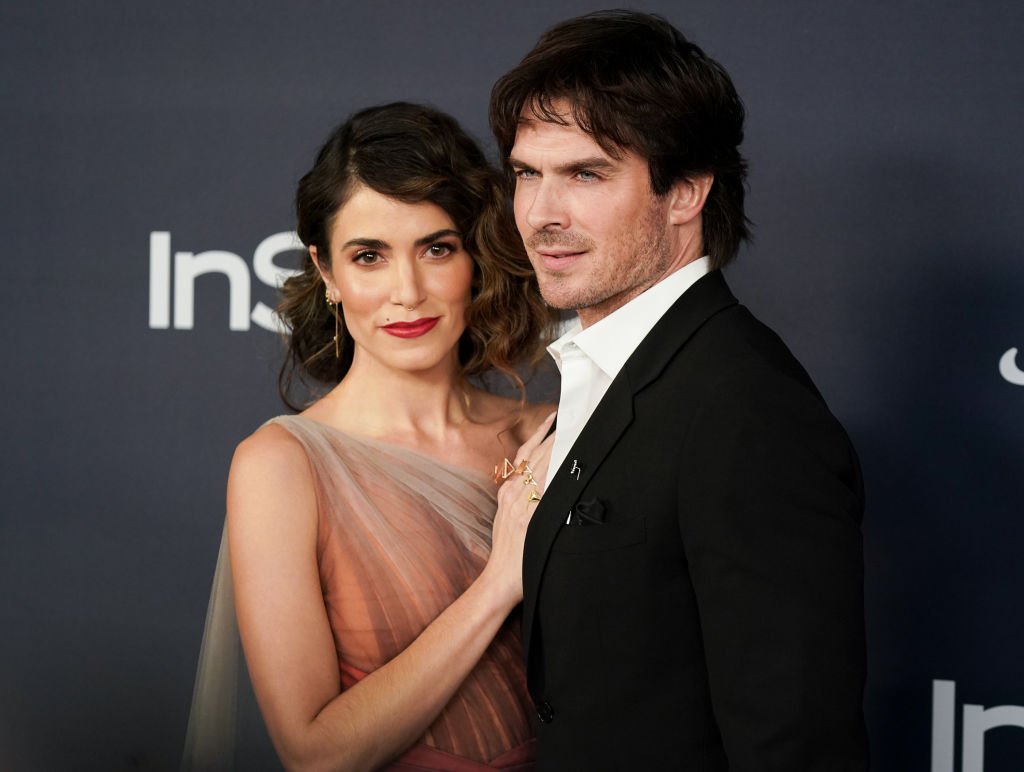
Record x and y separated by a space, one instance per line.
414 154
635 83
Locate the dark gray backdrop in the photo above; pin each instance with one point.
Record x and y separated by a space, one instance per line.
886 151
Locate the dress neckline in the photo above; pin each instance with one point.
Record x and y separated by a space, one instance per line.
373 441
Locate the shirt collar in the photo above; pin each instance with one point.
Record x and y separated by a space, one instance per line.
610 341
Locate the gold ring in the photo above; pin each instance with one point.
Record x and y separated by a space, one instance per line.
534 496
504 470
528 479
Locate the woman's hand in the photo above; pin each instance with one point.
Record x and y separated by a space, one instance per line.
515 509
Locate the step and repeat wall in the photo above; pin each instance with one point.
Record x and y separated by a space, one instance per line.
149 154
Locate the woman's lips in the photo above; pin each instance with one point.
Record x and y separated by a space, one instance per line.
411 329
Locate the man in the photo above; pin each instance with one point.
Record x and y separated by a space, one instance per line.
693 574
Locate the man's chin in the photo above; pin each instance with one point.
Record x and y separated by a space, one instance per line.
559 299
564 295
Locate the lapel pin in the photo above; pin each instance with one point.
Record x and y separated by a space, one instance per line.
576 469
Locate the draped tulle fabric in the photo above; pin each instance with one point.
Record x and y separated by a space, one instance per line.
210 737
400 537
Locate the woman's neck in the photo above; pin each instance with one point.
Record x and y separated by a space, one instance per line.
376 400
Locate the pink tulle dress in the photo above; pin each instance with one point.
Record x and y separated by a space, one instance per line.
400 537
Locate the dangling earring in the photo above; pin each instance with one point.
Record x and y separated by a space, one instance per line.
337 324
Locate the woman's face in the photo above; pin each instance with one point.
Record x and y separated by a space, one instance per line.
402 278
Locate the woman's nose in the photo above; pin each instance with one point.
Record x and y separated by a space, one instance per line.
407 289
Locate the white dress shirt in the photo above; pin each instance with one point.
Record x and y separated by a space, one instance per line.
589 359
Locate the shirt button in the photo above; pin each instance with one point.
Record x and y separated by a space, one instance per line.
545 712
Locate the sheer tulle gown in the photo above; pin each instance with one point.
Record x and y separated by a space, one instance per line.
400 536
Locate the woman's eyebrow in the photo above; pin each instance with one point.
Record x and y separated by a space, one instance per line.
432 237
420 242
368 243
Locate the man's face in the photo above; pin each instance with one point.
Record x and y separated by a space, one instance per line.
594 230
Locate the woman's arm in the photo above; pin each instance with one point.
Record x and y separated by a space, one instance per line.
272 522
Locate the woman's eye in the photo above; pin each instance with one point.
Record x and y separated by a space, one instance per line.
440 250
366 258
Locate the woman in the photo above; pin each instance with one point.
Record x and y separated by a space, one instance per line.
371 602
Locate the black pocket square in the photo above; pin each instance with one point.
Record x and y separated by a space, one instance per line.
589 512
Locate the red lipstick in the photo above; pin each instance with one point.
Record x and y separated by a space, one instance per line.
411 329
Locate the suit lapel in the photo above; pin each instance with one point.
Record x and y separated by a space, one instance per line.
613 415
610 419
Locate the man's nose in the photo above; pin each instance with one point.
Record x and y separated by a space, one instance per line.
545 207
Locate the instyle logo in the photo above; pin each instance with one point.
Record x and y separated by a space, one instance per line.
977 720
1009 370
187 266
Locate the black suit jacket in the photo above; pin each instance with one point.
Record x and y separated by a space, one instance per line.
714 619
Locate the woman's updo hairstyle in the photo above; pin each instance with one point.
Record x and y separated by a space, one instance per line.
413 153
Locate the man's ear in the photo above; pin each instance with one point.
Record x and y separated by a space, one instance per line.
687 197
324 275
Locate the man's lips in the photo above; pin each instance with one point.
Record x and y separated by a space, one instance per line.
411 329
559 252
557 259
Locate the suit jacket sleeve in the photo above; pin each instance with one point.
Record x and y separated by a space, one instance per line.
770 505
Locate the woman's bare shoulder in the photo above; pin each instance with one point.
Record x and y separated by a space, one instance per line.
267 448
269 465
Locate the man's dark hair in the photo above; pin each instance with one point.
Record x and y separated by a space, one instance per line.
635 83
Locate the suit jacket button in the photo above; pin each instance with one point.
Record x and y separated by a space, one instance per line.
545 712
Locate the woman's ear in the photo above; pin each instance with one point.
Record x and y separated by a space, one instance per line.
687 197
332 293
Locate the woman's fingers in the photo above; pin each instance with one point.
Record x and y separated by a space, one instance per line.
535 439
541 459
517 496
537 453
517 501
528 450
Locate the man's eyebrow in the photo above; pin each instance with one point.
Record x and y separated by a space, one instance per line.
594 163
